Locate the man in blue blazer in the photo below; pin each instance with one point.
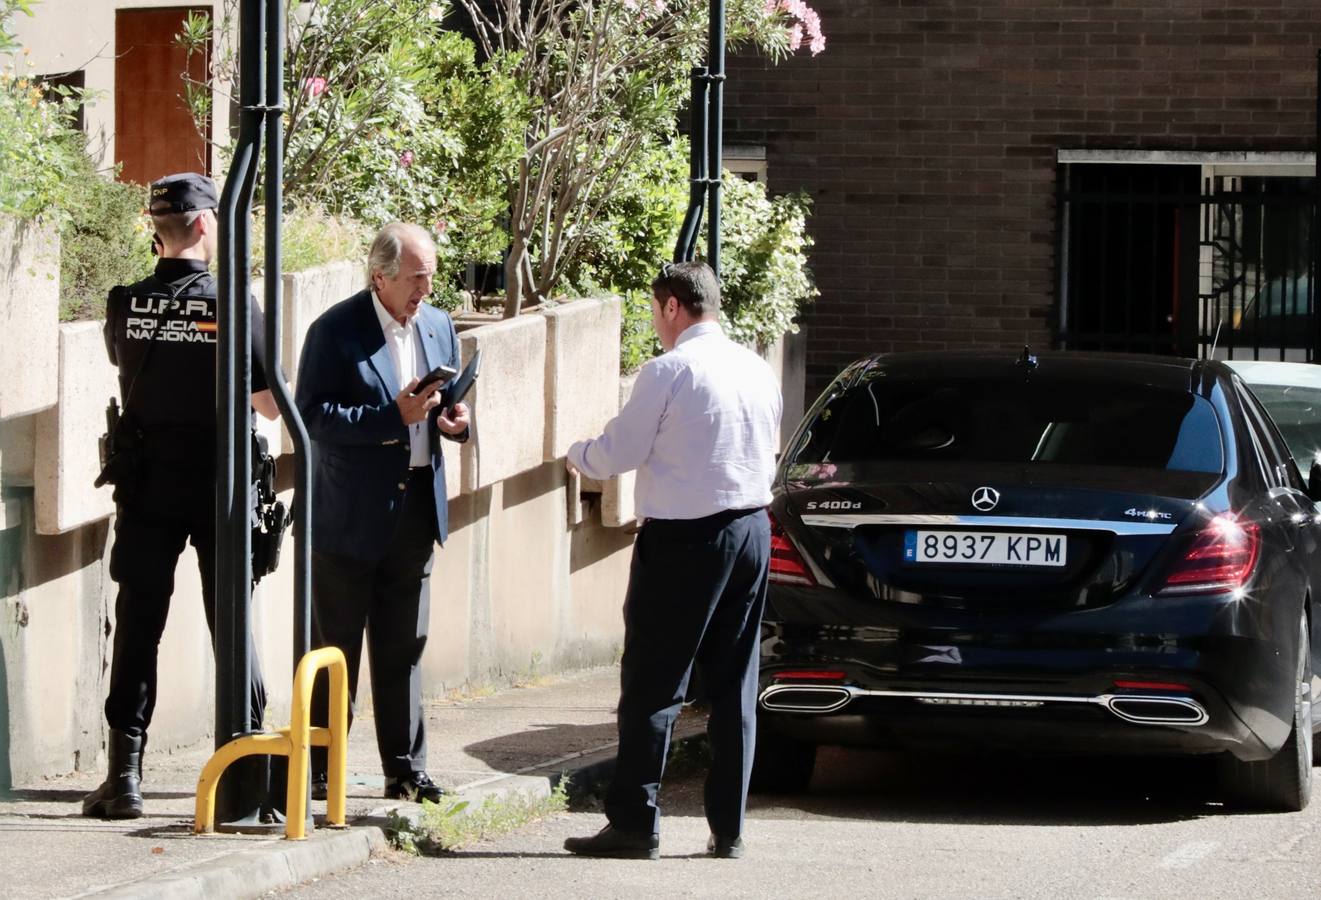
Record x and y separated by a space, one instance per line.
378 490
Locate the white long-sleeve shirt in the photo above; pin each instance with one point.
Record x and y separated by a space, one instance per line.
406 351
701 427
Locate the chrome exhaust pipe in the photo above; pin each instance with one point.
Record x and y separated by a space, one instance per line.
810 698
1139 709
1158 710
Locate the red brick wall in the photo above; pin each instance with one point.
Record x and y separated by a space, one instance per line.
927 132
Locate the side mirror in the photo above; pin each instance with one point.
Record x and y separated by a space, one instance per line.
1314 481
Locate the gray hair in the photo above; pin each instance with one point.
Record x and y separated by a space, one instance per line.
388 247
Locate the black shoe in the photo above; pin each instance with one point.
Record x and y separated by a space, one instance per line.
614 844
724 848
416 787
320 786
120 795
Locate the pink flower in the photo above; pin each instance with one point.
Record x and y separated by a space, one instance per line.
406 158
804 24
314 86
441 226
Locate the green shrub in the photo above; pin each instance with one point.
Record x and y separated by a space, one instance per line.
39 148
637 339
310 237
765 280
106 240
389 118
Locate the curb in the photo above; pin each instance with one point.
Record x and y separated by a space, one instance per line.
257 870
277 863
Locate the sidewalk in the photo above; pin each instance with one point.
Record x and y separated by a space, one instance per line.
515 739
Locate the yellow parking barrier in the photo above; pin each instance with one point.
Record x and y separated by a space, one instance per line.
292 742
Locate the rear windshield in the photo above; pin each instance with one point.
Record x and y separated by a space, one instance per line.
1039 421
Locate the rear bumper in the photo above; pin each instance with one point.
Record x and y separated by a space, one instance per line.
1045 681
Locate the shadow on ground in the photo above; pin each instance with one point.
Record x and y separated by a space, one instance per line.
541 741
984 790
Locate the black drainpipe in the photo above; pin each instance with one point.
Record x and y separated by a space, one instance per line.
274 202
692 220
715 131
706 147
239 800
1315 268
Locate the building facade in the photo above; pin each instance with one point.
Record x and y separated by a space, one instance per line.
124 53
1093 174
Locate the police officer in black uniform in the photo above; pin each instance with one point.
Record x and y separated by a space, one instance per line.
161 333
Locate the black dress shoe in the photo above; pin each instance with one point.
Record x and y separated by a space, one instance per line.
416 787
725 848
320 786
611 843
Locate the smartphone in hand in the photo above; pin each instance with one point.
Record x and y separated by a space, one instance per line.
441 374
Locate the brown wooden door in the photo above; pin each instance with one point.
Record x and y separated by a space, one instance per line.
154 132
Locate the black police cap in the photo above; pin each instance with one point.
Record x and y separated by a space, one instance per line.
184 192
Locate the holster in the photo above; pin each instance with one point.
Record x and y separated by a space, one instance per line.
270 518
120 450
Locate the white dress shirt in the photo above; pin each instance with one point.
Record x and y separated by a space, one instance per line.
409 361
701 427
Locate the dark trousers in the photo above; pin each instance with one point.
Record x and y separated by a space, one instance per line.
696 591
390 599
168 508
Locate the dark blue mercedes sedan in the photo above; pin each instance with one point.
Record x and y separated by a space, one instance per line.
1073 552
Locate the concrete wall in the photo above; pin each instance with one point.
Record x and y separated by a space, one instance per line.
29 310
517 588
67 462
530 580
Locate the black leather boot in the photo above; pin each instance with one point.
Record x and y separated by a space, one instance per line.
120 795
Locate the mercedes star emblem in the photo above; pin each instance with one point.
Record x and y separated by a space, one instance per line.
985 499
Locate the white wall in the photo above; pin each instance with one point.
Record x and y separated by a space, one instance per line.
67 35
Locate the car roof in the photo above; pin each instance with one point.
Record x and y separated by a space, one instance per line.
1286 374
1168 372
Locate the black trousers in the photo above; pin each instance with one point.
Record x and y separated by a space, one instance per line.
696 591
390 599
167 508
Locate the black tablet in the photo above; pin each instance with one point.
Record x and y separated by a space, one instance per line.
459 389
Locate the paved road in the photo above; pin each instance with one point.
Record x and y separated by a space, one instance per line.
879 825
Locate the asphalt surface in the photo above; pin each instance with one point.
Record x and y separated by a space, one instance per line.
883 825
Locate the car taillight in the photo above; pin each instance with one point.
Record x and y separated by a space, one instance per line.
787 564
809 675
1221 558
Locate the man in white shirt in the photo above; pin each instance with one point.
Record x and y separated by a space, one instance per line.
378 493
702 429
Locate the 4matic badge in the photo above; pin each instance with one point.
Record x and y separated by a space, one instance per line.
1152 514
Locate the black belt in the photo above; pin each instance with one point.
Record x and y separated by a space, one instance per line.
706 526
720 519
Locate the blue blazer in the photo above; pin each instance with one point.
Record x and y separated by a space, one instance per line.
345 392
